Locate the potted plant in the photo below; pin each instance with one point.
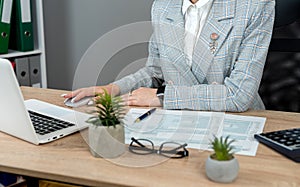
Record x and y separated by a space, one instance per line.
222 166
106 132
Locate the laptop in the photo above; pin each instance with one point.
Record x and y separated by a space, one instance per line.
33 120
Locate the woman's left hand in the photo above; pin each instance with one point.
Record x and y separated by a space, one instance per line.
142 97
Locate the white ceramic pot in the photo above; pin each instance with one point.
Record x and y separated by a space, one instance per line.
107 142
222 171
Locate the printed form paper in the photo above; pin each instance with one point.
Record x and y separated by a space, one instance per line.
195 128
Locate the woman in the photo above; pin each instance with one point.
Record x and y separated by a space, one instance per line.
210 55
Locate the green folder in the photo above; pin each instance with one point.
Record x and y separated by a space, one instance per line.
21 26
5 17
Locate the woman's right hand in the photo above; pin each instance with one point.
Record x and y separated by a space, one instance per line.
92 91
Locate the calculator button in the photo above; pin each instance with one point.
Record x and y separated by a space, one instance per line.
289 143
282 140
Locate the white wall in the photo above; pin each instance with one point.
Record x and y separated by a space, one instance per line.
71 26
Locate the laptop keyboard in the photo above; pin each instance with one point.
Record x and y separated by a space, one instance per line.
44 124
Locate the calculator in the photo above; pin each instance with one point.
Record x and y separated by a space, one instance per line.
286 142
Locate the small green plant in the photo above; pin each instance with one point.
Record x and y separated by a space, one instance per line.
109 110
222 148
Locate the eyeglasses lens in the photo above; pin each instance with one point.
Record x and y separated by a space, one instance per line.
172 150
142 147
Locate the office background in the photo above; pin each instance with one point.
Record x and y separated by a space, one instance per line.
280 86
71 26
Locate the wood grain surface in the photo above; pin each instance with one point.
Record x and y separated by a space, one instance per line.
69 159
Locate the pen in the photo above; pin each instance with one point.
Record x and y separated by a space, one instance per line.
143 116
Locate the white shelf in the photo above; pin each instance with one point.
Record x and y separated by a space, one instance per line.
14 54
39 40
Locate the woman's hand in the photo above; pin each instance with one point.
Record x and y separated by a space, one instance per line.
142 97
92 91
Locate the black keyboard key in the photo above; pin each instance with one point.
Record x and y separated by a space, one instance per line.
276 138
282 140
288 143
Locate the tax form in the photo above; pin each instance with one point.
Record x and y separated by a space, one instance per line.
196 128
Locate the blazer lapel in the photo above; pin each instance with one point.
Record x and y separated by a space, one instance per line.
203 56
173 38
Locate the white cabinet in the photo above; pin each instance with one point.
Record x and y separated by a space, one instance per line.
39 41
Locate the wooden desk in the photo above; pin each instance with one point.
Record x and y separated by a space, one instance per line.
69 159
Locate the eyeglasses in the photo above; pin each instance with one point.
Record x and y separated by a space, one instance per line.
167 149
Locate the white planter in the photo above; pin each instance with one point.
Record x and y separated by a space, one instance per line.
222 171
107 142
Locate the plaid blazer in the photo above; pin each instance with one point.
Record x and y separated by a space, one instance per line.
228 59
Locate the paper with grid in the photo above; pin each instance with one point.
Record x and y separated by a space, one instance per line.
195 128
